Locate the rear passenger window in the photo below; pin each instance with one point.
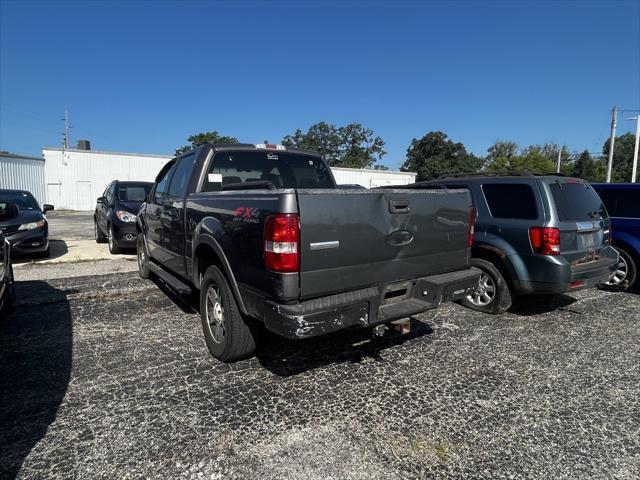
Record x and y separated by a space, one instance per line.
511 200
622 202
181 176
576 201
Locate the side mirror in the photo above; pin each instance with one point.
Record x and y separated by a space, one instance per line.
102 200
8 211
47 207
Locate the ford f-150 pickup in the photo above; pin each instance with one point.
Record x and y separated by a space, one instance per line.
262 235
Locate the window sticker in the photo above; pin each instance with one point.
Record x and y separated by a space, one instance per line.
272 156
214 177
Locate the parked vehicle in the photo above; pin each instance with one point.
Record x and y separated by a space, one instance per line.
623 204
8 211
534 234
114 219
262 233
28 233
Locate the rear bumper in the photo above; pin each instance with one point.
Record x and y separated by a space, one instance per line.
588 274
367 307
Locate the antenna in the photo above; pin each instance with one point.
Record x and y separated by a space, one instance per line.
66 140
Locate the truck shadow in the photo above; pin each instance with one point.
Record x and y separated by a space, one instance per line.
291 357
35 367
528 305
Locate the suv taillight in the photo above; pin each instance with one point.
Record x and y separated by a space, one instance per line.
472 224
282 242
545 240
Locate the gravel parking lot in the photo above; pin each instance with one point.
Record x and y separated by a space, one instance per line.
108 376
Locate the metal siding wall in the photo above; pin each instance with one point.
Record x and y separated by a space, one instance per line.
23 174
372 178
77 179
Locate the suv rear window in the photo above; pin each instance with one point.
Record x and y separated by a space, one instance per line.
511 200
576 201
284 170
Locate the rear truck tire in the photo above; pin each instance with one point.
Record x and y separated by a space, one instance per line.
111 240
100 237
626 275
143 258
228 336
492 294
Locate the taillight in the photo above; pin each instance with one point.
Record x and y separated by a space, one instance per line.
472 224
545 240
282 242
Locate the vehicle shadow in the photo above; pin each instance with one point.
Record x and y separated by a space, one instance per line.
528 305
35 367
291 357
57 248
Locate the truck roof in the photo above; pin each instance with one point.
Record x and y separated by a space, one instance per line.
219 147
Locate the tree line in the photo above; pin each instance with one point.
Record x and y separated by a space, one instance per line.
435 154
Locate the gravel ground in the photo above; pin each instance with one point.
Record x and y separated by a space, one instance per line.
108 377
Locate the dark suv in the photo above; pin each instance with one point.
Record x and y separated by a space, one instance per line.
534 234
623 204
115 214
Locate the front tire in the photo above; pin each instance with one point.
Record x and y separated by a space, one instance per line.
99 236
143 257
492 294
625 277
113 243
228 336
9 305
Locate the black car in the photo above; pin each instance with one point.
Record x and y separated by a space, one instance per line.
8 211
115 215
534 234
28 233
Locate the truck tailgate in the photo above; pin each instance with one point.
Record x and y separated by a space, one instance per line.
350 239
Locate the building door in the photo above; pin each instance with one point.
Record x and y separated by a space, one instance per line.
54 194
83 200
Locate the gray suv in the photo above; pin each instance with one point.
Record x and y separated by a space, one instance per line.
534 234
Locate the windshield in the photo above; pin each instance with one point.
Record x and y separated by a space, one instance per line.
133 192
24 200
577 202
283 170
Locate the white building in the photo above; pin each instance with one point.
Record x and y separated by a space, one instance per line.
22 172
75 178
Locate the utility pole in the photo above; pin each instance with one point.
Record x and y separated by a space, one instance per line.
612 141
65 136
558 164
635 150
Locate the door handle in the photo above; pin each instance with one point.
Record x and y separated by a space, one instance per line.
399 205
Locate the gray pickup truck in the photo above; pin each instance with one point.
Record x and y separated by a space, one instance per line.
263 234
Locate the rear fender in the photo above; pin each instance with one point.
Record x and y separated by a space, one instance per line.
206 233
510 259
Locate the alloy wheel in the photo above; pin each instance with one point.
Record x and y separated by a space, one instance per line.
215 314
485 291
621 272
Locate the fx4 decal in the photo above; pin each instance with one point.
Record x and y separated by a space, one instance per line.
246 215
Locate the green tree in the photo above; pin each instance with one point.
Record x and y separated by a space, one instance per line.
585 167
204 138
622 157
435 154
352 146
505 156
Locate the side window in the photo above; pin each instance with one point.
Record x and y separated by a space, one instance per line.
511 200
109 193
181 176
163 184
627 203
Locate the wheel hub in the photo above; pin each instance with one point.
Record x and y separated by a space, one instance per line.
215 314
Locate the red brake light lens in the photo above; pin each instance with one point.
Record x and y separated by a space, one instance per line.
282 243
545 240
472 223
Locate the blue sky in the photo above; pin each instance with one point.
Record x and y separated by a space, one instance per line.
143 76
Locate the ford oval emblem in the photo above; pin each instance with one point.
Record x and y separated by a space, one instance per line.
399 238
